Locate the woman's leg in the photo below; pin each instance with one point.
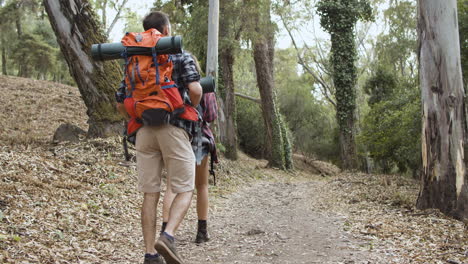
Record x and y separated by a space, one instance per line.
201 184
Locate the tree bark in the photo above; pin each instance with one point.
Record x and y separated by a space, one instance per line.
4 61
213 34
343 67
444 183
104 13
263 52
19 26
265 82
227 75
76 27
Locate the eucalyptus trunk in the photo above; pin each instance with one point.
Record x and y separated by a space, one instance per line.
76 28
444 183
213 34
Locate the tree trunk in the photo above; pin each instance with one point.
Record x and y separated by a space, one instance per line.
213 34
116 18
263 53
287 146
265 82
4 61
344 78
227 75
75 25
104 13
19 27
444 183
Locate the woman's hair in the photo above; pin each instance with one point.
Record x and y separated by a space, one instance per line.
197 64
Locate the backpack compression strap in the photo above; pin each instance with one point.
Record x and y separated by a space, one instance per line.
155 61
127 72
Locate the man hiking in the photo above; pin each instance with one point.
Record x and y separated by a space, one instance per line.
166 145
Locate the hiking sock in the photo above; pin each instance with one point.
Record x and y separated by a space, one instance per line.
171 238
202 224
163 227
151 256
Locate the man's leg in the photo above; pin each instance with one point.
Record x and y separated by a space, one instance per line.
180 164
149 166
167 202
148 220
179 209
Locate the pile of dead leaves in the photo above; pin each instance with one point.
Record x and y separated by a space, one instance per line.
381 210
78 203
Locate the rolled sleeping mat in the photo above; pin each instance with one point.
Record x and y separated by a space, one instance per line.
208 84
113 51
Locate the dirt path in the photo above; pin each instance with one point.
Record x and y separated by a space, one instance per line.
272 222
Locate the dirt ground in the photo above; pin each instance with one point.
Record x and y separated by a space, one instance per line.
275 222
77 202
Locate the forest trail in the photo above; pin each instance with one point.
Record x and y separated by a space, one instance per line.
76 203
275 222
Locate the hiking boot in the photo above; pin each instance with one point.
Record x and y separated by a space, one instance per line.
202 236
167 249
153 260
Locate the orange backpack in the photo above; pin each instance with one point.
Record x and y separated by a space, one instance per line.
152 97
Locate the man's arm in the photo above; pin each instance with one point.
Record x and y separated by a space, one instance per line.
195 92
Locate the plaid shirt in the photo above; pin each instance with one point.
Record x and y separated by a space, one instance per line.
183 73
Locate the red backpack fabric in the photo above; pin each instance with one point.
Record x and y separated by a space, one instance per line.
152 98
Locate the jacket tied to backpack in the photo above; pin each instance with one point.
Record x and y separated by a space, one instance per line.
151 96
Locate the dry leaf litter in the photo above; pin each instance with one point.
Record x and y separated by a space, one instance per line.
77 202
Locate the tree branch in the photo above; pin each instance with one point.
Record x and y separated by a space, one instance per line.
117 16
256 100
306 67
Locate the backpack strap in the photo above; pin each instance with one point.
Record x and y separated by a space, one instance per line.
156 65
127 72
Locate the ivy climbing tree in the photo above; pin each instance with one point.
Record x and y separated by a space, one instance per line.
339 17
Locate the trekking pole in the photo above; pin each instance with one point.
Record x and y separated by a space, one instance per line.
125 144
212 171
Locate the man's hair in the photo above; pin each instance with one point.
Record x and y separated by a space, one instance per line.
157 20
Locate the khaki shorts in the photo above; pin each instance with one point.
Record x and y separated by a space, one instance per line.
164 146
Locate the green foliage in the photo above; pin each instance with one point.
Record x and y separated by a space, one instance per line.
311 121
339 18
396 48
250 128
132 22
29 44
391 130
380 86
190 19
33 54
